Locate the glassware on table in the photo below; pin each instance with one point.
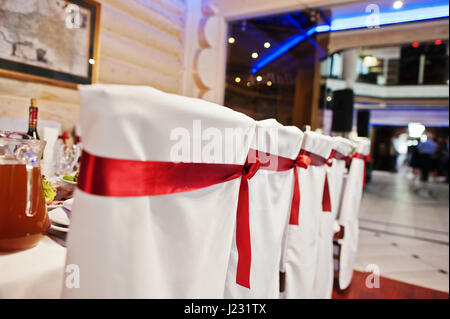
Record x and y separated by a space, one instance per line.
67 159
23 213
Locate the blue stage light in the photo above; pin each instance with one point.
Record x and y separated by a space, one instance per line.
283 48
356 22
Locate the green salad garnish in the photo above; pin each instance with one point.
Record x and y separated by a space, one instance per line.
49 191
71 178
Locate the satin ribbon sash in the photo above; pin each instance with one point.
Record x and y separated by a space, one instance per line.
318 160
326 199
340 157
366 159
279 164
131 178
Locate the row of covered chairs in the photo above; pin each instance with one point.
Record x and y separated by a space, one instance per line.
182 198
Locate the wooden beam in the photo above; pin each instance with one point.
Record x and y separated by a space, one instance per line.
138 54
117 72
152 14
127 26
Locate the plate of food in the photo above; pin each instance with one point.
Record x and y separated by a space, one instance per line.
68 182
50 193
56 193
70 179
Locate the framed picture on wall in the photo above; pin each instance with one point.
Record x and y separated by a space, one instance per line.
50 41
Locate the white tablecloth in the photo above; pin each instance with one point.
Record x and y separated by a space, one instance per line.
33 273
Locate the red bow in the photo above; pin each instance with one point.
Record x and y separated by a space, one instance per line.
273 163
129 178
302 161
243 238
64 136
366 159
326 198
284 164
318 160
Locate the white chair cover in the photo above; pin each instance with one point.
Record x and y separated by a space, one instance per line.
348 215
301 254
169 246
270 197
323 286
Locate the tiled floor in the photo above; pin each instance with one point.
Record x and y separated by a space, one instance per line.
404 232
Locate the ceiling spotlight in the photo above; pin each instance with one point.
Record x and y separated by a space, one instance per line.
91 61
267 45
231 40
259 78
248 84
269 83
237 79
329 98
415 130
370 61
397 5
254 55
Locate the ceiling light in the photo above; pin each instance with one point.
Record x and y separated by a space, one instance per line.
237 79
248 84
91 61
254 55
370 61
231 40
415 130
269 83
259 78
397 5
267 45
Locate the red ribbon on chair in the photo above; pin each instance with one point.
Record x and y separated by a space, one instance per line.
279 164
317 160
366 159
302 161
326 198
129 178
341 157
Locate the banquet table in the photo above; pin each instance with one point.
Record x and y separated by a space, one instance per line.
34 273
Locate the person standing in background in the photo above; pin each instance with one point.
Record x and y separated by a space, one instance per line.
393 154
427 150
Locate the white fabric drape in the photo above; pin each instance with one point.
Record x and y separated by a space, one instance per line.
323 285
270 197
170 246
348 215
300 260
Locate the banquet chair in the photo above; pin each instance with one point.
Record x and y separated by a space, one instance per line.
349 211
159 194
323 285
299 263
270 197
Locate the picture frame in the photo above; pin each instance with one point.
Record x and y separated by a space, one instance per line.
54 42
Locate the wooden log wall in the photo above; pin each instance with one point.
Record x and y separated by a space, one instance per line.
141 42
